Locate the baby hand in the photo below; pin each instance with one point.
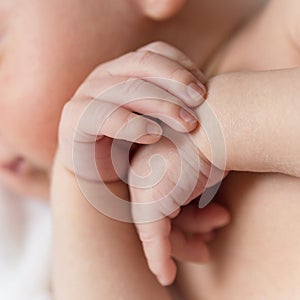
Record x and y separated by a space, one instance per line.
169 182
193 228
156 80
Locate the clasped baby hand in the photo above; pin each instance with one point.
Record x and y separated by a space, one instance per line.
136 99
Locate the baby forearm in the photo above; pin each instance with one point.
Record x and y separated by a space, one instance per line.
95 257
259 113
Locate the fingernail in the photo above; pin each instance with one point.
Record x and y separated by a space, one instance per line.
154 129
196 92
186 116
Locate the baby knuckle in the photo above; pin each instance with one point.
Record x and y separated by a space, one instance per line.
126 119
69 113
168 205
132 85
144 57
67 109
147 236
181 75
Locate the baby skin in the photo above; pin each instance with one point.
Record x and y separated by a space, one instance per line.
262 237
249 148
47 50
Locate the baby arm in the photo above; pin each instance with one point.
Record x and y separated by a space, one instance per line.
95 257
259 116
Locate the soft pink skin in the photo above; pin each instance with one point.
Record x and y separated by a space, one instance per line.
47 49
